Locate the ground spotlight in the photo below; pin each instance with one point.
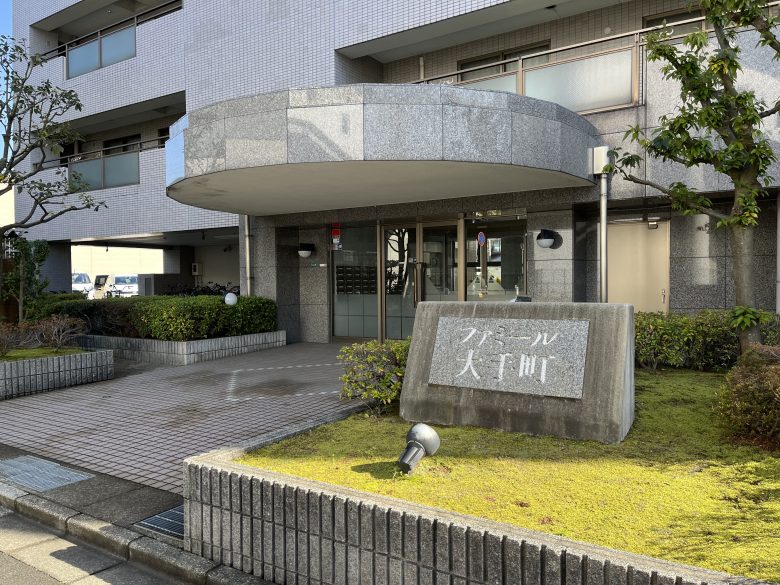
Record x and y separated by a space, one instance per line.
421 440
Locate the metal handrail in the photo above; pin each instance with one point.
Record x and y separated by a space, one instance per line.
136 19
636 37
100 153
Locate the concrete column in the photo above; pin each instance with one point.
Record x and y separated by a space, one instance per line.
57 267
314 284
551 270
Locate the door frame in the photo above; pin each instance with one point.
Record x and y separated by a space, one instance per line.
419 226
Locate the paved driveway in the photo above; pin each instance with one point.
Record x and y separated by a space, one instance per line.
142 426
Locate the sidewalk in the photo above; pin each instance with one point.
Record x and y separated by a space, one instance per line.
31 554
141 426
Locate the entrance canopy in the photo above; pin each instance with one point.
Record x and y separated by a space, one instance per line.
361 145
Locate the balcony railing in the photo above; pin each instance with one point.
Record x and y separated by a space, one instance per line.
593 76
107 168
107 46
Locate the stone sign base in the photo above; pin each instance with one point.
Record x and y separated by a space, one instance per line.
563 369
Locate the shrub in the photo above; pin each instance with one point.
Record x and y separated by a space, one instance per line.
203 317
58 331
661 339
749 403
714 343
770 330
374 370
39 307
9 338
704 341
171 318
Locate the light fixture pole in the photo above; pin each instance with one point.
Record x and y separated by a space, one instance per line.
600 160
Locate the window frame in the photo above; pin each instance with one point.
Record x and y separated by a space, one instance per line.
500 56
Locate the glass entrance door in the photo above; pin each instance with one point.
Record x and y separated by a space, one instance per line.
420 264
400 276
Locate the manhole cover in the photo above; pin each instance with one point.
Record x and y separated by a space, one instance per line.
169 523
39 474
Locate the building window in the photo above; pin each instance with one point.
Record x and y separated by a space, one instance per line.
162 136
506 67
121 144
669 19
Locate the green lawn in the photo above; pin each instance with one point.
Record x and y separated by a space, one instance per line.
675 488
38 352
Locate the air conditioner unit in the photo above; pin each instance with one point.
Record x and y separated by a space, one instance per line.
196 269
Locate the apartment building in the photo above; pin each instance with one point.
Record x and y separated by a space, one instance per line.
352 158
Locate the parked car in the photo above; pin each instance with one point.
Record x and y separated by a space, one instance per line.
126 285
107 285
80 282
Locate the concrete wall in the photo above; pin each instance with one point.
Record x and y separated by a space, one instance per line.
26 377
218 263
701 263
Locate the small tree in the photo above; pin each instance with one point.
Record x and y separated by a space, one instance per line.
717 123
23 281
30 114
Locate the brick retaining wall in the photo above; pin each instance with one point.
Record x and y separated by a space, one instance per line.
289 530
24 377
180 353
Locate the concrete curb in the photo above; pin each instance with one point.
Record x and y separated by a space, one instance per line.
122 542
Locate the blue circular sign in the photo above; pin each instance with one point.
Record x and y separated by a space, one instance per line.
481 239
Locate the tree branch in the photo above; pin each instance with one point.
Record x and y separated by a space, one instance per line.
669 194
772 111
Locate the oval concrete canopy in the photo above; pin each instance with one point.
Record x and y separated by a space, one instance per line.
360 145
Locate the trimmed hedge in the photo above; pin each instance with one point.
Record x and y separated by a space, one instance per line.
705 341
171 318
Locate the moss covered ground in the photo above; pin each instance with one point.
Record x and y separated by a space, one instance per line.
676 488
38 352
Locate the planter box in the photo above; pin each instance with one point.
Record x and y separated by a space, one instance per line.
24 377
286 529
181 353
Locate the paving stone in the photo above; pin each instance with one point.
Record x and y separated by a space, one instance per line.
13 571
16 533
125 574
64 560
128 428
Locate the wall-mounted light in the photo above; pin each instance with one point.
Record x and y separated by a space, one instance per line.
305 250
546 238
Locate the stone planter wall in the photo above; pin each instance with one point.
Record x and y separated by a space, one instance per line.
24 377
180 353
285 529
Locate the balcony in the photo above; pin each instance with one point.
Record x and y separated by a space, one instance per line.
594 76
108 45
109 167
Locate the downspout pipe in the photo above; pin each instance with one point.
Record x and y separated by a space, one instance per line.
600 160
248 256
777 278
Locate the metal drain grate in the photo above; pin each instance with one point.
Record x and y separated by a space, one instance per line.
170 523
39 474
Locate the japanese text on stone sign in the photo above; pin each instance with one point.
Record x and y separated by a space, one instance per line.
511 355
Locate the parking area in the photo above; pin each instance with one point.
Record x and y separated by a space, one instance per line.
141 426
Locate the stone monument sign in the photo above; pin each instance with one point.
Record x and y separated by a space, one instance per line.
528 356
563 369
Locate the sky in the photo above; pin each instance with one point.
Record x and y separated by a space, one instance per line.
5 17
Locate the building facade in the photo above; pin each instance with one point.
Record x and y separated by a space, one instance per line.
351 159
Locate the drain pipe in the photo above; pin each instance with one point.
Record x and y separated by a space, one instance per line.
600 160
248 257
777 279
